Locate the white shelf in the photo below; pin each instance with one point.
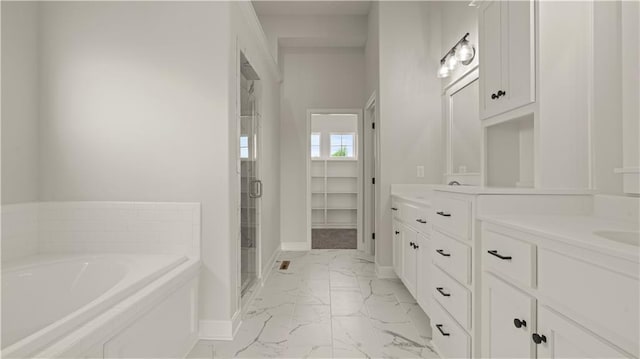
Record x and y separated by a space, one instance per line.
334 189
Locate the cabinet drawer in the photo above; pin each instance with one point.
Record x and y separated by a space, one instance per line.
452 256
603 300
453 216
453 296
510 257
448 337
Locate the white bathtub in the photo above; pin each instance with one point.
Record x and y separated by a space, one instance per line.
45 297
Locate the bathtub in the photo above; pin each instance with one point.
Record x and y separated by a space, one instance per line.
45 297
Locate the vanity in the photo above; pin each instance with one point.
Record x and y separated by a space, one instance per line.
511 272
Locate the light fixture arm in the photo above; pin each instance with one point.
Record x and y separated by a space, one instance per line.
452 50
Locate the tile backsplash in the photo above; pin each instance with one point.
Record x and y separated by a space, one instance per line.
130 227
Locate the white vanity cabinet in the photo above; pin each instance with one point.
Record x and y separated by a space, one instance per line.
411 226
507 55
576 300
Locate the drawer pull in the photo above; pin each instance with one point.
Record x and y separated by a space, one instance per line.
439 326
519 323
537 338
441 291
441 213
495 253
397 232
421 221
394 209
411 244
442 253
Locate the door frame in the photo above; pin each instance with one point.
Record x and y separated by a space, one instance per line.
354 111
369 197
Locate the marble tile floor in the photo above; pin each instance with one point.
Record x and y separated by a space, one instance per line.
328 304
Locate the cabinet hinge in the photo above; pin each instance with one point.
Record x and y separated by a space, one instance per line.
373 180
373 236
373 125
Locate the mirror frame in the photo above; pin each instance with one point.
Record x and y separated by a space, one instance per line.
469 178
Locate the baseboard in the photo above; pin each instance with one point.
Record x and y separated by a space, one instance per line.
268 269
220 329
294 246
386 272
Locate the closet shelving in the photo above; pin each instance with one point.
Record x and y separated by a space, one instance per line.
334 193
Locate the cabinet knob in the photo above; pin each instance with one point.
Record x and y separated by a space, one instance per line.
411 244
443 214
394 209
415 246
494 96
537 338
397 232
519 323
421 221
501 93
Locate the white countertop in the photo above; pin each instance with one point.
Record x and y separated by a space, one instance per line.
417 198
577 230
512 190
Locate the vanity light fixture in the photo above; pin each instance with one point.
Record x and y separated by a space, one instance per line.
462 52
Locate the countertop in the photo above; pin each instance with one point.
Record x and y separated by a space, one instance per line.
577 230
417 198
512 190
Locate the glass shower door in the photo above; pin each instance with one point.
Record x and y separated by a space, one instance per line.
251 187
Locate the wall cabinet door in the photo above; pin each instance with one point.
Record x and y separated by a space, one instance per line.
510 321
397 248
409 259
561 338
424 273
507 56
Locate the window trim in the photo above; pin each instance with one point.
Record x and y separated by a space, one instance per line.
311 145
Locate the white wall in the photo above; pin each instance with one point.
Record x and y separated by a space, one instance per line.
314 31
135 108
314 78
410 110
456 19
20 102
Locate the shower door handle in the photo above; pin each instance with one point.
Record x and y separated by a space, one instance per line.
256 189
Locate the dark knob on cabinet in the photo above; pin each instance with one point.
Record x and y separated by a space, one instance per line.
501 93
537 338
397 232
411 244
519 323
494 96
394 209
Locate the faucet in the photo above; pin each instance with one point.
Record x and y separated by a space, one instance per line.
454 183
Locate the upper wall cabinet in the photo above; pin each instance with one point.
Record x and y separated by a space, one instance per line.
507 56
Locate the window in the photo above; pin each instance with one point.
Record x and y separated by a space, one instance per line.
315 145
244 146
342 145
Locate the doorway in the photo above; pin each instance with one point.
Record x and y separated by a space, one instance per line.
250 184
334 188
371 160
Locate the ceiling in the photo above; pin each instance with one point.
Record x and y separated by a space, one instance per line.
311 7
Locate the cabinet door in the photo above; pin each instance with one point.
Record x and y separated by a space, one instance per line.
562 338
518 43
490 52
424 273
509 321
397 248
409 270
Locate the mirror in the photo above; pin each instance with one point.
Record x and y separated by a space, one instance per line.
463 128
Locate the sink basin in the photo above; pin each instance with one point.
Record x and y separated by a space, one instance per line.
632 238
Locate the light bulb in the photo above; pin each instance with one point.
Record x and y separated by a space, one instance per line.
443 71
452 62
465 52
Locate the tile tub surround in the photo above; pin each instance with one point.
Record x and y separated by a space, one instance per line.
329 303
101 227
